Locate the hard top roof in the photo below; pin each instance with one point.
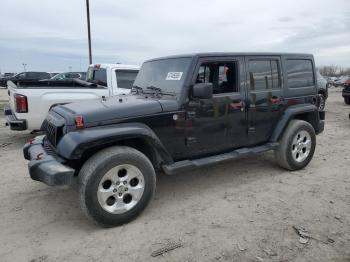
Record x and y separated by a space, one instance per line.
215 54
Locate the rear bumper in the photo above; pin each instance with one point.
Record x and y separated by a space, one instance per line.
45 167
12 121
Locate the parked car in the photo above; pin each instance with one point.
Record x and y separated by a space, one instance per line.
322 90
185 112
3 79
30 101
346 92
69 75
31 76
340 81
331 80
8 74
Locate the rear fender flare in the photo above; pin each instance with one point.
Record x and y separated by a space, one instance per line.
290 113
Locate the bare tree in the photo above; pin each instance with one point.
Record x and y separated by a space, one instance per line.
333 70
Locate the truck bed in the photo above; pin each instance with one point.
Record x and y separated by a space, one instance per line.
53 84
41 96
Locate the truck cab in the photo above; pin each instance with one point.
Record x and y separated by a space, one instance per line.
118 77
30 100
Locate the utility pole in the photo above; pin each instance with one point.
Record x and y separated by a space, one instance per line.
24 67
88 27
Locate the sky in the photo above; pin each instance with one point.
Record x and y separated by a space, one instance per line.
51 35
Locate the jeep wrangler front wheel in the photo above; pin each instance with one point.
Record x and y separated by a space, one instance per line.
115 185
297 145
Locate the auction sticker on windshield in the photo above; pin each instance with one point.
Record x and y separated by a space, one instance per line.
174 76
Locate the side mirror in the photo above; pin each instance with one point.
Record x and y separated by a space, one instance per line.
203 90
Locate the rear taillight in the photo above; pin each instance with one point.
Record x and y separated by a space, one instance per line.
21 103
79 122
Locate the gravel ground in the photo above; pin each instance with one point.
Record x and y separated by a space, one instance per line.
243 210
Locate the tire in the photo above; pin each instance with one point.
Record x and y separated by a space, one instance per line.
322 102
107 194
293 153
347 100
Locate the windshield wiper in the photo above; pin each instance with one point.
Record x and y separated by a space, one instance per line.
136 89
158 91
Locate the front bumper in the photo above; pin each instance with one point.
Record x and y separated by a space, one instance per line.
12 121
346 92
44 166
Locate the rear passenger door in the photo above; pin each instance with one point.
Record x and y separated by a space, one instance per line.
265 96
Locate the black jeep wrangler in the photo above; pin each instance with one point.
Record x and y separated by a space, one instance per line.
184 112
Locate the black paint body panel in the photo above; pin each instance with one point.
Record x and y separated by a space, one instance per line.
185 128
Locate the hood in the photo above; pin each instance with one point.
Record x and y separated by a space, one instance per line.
113 110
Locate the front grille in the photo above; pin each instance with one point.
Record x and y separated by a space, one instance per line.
51 131
49 149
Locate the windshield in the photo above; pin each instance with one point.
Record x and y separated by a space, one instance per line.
167 74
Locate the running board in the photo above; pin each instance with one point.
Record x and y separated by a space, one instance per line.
188 165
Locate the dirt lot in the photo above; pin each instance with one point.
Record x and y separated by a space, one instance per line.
239 211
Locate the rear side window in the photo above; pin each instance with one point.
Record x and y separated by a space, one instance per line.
264 74
32 74
300 73
44 75
98 76
125 78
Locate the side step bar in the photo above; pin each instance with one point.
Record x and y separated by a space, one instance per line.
188 165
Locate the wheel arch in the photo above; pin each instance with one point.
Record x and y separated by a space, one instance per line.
306 112
78 146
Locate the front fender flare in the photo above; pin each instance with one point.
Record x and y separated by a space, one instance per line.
73 144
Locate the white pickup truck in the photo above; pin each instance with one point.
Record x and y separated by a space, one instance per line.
30 101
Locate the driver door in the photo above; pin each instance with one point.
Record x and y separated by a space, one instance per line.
217 124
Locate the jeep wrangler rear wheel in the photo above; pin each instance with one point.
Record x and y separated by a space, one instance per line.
297 145
115 185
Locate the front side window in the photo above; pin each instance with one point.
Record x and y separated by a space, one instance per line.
223 76
264 74
300 73
125 78
21 75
